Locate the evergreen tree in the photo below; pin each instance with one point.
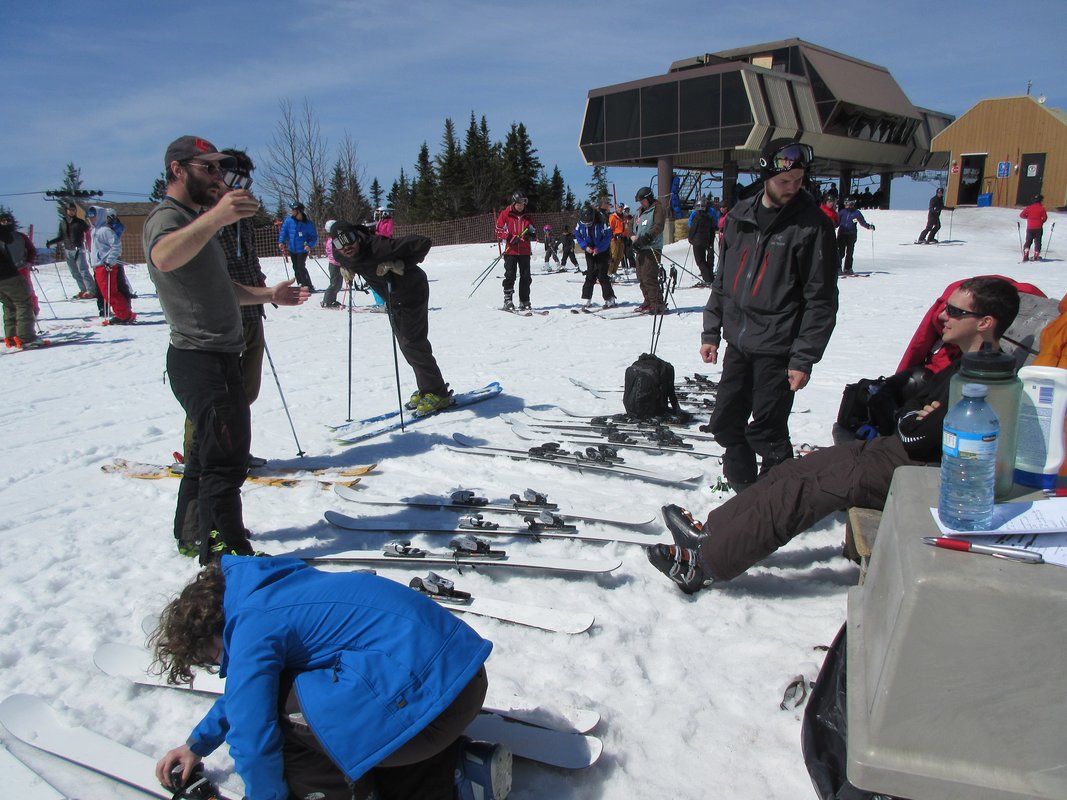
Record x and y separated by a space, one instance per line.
570 202
159 188
316 203
399 198
423 187
598 184
450 178
72 181
521 164
376 193
482 170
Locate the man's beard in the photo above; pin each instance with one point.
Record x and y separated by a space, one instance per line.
200 190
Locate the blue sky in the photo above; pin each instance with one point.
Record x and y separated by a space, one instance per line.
108 84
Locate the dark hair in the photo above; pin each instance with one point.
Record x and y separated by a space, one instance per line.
188 626
244 161
993 297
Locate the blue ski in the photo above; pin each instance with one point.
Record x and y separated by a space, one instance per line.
358 430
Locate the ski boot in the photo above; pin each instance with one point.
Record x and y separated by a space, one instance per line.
525 307
483 771
9 342
196 788
413 401
680 564
430 403
610 303
509 304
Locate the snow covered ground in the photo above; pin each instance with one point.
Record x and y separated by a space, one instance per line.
688 687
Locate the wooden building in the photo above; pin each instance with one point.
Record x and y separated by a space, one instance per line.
1005 150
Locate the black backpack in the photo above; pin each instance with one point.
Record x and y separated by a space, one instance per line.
649 388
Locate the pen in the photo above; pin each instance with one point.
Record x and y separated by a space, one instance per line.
1009 553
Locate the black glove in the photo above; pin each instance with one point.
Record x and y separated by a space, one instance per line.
872 227
529 235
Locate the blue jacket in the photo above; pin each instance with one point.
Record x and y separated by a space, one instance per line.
375 663
294 234
597 235
848 218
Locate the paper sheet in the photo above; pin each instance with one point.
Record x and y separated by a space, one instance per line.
1040 526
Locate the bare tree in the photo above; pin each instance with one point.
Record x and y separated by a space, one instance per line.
316 171
353 205
282 170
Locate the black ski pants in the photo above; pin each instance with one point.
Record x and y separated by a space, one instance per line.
211 390
933 225
568 255
300 270
846 246
751 415
596 271
1033 237
648 277
423 767
407 300
522 265
795 495
704 256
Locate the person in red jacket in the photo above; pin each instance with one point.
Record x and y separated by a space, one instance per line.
516 230
1035 216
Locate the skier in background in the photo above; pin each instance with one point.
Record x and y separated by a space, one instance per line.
515 230
298 237
550 246
566 245
703 225
933 219
593 235
1035 216
19 316
106 257
72 230
848 218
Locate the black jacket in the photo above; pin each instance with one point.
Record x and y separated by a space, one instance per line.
775 293
374 250
71 233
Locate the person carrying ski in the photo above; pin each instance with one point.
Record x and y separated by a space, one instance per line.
1035 216
19 315
515 230
391 268
647 241
72 230
796 494
774 300
202 303
703 225
593 235
933 219
339 686
848 219
296 238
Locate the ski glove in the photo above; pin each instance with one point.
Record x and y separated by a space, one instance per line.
390 266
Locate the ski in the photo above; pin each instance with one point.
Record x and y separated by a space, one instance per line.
617 422
152 472
133 664
466 501
526 312
567 749
465 551
546 525
33 721
588 462
22 781
618 439
359 430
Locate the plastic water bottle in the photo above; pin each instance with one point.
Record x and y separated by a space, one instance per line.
968 462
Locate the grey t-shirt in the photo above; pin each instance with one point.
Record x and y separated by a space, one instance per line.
198 298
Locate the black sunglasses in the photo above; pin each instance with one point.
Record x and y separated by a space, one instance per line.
955 312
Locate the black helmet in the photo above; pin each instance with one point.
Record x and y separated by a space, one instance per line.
587 215
518 197
642 193
1038 198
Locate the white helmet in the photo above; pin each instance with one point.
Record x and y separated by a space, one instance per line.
329 225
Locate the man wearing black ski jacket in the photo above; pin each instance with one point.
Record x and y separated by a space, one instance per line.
774 300
391 268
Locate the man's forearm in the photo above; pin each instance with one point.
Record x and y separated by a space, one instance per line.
253 295
177 248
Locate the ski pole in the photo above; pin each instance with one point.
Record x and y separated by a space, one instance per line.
396 362
1048 244
59 275
299 450
324 272
951 214
483 275
350 314
1019 230
682 268
54 316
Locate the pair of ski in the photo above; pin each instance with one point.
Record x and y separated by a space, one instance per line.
260 476
525 312
593 460
553 735
362 429
658 442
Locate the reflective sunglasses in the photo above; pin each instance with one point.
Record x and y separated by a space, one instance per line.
792 156
521 200
236 179
343 239
955 312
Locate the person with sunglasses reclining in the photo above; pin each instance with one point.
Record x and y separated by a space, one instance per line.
796 494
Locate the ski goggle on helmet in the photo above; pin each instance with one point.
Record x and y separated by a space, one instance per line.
236 179
790 156
343 237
